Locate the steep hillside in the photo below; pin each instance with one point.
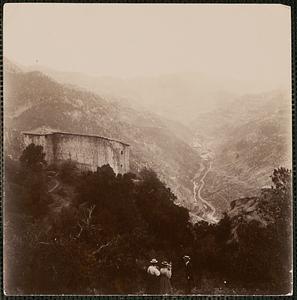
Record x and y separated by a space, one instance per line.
248 137
33 100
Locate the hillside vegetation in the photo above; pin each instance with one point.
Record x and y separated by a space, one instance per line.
101 240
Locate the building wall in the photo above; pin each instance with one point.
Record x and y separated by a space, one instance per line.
89 152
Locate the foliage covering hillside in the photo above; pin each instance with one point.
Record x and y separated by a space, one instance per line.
101 240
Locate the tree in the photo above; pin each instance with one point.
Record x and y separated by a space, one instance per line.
281 179
33 157
33 180
156 203
68 172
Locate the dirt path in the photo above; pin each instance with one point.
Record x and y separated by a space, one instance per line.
56 185
54 182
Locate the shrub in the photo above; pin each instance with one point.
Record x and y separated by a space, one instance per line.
68 172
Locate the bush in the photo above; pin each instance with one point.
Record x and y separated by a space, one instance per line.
26 183
32 158
68 172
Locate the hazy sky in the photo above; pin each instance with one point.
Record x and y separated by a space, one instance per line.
246 42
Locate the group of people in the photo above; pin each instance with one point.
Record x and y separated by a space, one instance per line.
159 277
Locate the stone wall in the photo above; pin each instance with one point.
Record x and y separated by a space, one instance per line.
88 152
91 152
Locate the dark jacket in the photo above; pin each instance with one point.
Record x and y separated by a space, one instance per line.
189 277
189 271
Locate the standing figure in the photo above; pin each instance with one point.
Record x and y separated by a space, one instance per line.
153 274
166 273
189 274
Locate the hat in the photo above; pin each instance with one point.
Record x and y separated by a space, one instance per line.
166 264
186 257
153 261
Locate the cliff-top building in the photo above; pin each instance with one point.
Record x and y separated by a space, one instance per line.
88 151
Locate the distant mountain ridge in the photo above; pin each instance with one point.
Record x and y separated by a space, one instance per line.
176 96
172 96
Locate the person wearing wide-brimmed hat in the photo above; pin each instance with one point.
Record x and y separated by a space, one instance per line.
153 277
189 274
165 275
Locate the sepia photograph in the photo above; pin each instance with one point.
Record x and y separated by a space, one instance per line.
147 149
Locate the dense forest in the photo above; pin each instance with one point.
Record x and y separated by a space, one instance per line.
95 233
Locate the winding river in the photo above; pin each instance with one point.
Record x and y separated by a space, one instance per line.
206 210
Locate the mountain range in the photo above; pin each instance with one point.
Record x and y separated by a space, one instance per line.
170 121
